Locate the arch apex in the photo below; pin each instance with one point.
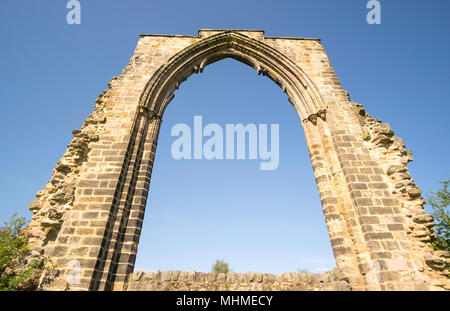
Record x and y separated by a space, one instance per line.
256 34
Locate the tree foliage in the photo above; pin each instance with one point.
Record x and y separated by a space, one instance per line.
439 201
16 272
220 267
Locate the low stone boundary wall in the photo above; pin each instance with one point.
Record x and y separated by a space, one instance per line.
231 281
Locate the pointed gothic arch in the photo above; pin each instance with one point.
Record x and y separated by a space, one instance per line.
301 90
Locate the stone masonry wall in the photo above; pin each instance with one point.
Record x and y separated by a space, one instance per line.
231 281
391 153
91 211
56 199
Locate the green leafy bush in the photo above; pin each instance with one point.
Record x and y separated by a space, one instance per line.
220 267
439 202
16 271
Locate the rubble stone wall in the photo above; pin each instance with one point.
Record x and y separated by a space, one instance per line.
231 281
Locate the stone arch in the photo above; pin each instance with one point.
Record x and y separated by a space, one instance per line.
156 96
92 209
301 91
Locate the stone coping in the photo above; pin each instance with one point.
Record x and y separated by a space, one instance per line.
236 30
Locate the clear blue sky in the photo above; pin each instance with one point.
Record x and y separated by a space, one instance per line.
199 211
